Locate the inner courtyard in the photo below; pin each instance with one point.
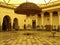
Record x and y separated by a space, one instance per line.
30 24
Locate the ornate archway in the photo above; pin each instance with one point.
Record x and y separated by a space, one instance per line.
6 25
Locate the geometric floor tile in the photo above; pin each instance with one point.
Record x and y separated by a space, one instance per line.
29 38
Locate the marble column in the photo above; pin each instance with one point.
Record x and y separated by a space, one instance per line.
42 17
59 17
11 25
51 20
59 20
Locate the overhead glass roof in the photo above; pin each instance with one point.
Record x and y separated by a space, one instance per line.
17 2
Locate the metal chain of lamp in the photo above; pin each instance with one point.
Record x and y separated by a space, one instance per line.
46 2
7 1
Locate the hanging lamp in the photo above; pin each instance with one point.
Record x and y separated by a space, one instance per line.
28 8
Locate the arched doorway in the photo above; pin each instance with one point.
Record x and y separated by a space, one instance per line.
33 24
6 25
24 26
15 24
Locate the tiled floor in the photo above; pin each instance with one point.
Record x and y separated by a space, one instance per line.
34 38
